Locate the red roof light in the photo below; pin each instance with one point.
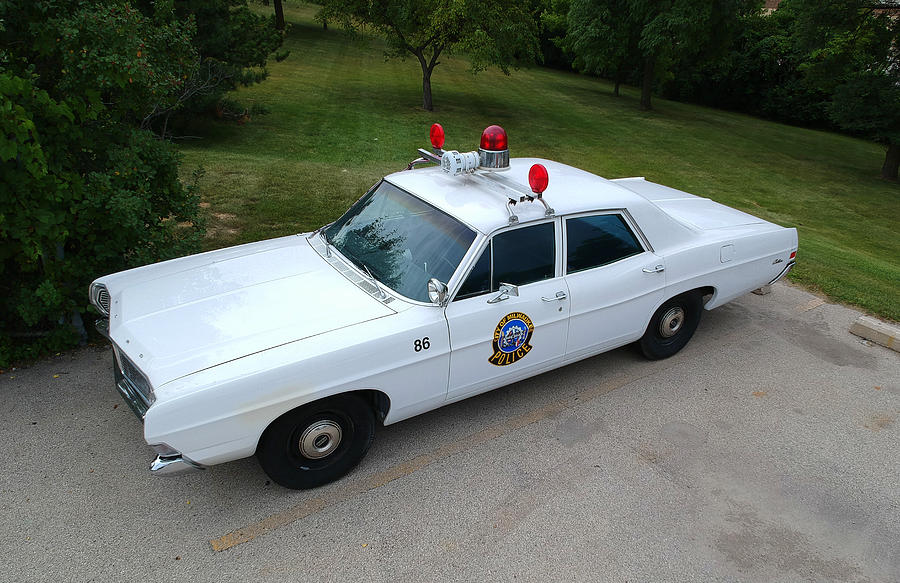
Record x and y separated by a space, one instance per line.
538 178
437 136
493 138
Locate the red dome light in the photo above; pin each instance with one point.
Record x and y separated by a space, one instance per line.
538 178
437 136
493 138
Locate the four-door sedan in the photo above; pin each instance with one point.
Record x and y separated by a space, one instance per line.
440 283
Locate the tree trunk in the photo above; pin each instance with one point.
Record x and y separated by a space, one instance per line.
279 14
428 65
427 69
618 79
891 162
426 89
647 82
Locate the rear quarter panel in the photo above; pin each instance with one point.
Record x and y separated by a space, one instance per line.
731 261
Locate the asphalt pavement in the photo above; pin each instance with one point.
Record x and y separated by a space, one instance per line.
767 450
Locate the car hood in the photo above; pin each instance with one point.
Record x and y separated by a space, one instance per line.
182 316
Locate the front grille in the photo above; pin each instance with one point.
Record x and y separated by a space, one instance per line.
135 377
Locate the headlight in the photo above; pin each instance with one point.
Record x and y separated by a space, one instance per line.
100 298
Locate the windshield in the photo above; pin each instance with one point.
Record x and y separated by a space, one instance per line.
401 240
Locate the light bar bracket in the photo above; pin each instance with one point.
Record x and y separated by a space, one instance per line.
426 158
495 182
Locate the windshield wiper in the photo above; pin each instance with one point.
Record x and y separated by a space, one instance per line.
321 233
374 281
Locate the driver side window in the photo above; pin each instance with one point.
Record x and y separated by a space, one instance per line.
520 256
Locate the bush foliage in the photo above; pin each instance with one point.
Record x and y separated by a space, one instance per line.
86 187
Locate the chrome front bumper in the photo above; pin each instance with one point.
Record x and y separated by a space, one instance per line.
172 465
131 395
163 465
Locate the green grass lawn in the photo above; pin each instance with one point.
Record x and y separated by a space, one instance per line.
340 117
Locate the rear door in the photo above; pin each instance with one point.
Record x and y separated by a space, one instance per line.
614 279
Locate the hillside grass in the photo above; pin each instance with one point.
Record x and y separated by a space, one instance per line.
340 117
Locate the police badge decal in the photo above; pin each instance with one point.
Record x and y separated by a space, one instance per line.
512 338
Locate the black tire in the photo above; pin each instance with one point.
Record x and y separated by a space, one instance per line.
671 326
317 443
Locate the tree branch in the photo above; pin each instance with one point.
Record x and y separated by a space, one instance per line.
434 56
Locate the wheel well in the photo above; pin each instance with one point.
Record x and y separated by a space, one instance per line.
707 292
379 402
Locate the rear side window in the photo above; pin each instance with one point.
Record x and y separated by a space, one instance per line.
598 240
519 257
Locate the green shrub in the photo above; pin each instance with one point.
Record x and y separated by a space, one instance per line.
84 190
61 227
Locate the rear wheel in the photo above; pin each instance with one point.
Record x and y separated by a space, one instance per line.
317 443
672 325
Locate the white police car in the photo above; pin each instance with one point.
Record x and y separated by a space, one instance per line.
440 283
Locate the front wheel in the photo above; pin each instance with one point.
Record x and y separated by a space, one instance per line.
671 326
317 443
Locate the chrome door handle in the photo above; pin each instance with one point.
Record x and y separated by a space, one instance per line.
657 269
559 297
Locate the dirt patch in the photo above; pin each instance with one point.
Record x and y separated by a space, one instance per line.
880 421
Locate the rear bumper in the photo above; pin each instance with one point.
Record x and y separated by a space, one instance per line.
785 271
173 465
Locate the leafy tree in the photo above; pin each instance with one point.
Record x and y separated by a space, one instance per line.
853 54
232 46
604 36
760 73
553 17
279 12
650 36
86 187
83 189
868 103
501 33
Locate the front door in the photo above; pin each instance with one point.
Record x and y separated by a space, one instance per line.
497 338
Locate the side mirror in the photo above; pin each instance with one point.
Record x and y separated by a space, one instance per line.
506 290
437 291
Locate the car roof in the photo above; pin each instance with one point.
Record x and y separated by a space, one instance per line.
483 207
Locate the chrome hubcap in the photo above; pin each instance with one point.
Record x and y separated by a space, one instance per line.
320 439
671 322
